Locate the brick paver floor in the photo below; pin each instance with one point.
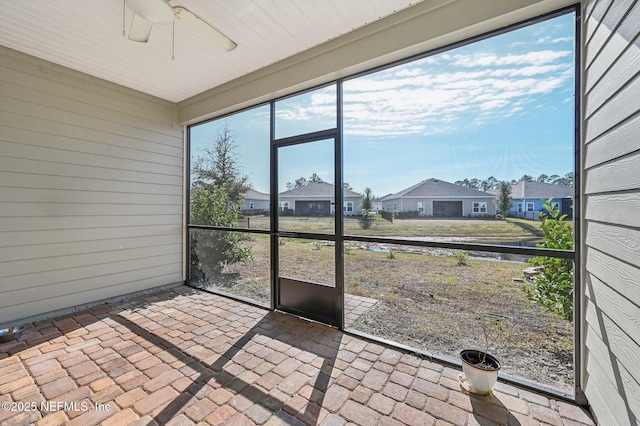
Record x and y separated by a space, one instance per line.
185 357
355 307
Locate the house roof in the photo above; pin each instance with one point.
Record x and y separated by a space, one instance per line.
252 194
321 189
437 188
540 190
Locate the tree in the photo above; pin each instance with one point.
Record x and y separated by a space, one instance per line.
526 178
218 166
553 287
347 186
566 180
489 183
300 182
367 199
314 178
503 198
216 196
542 178
212 250
367 218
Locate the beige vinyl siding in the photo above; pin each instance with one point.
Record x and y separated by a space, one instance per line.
611 202
91 189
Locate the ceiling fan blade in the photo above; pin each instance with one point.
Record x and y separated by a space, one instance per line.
154 11
140 29
204 28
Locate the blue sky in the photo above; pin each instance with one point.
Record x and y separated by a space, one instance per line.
501 107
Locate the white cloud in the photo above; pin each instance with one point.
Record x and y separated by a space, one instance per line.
548 39
533 58
493 104
478 60
419 98
541 57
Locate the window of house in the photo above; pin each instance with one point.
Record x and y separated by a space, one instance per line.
420 207
479 207
348 207
519 207
529 207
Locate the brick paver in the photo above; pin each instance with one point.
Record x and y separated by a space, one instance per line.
184 357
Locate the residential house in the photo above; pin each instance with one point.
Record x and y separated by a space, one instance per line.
528 199
317 199
254 202
435 197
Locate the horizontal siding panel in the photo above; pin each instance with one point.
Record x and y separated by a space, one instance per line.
56 155
31 139
611 105
593 13
622 277
621 243
29 109
88 85
35 209
75 222
622 312
587 9
16 268
83 275
616 45
618 73
617 411
621 350
620 209
603 412
91 186
60 300
601 25
613 371
74 248
25 179
49 168
45 128
95 235
18 195
617 142
617 109
63 102
619 175
34 80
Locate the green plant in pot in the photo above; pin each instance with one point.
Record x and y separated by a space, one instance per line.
480 369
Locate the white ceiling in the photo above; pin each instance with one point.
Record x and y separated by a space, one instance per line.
86 35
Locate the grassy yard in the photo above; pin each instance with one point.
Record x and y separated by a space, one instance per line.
487 229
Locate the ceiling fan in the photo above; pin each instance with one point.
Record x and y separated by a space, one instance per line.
149 12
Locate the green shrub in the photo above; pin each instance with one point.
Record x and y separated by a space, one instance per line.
553 287
462 257
366 220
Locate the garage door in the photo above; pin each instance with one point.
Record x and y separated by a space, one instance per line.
447 208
